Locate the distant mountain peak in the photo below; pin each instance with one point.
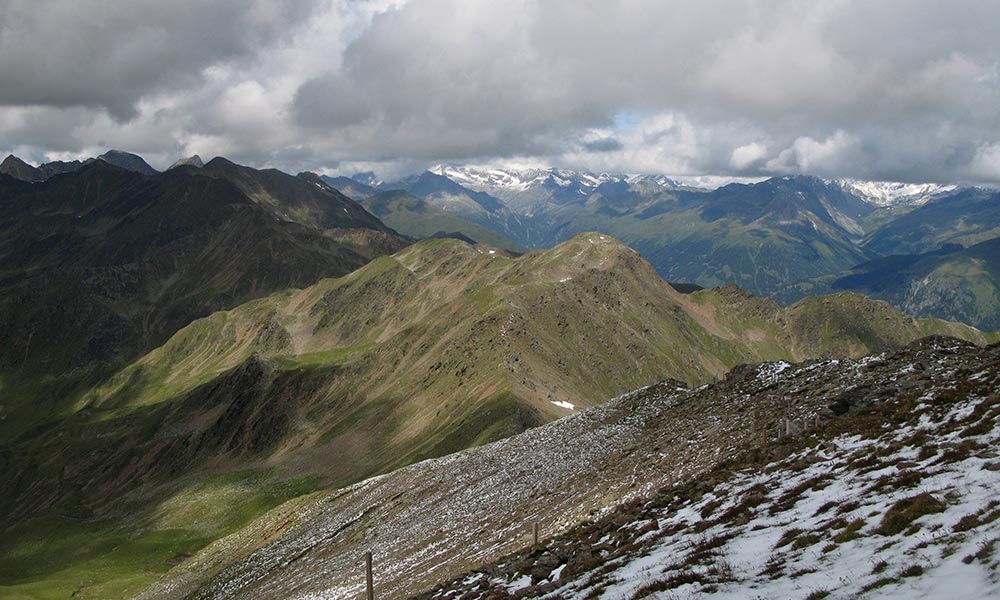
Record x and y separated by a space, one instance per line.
894 193
193 161
367 178
522 179
516 179
128 161
18 169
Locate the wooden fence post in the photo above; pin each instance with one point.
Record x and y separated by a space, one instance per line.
368 575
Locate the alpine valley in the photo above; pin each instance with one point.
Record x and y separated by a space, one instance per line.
226 382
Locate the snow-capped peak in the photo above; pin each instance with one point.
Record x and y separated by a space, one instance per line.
493 179
893 193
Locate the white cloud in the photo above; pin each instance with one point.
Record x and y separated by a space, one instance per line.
747 155
807 155
985 165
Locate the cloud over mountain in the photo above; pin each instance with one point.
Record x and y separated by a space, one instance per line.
891 90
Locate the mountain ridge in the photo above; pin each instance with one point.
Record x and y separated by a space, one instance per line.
876 497
440 347
419 219
19 169
604 473
954 283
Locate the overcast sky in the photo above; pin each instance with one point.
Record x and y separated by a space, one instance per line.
903 90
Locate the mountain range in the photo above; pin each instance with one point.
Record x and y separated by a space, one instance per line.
774 237
18 169
761 236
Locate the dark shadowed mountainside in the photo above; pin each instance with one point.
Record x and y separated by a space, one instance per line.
101 264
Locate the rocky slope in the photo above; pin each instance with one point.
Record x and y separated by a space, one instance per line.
895 499
669 489
18 169
304 199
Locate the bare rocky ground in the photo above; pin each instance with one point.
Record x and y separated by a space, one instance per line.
897 499
664 472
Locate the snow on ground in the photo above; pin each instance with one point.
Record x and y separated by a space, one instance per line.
768 373
896 512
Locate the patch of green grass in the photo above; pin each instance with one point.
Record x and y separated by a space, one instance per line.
330 357
850 532
54 557
882 582
904 512
497 418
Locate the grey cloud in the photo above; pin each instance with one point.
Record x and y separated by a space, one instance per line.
604 144
110 55
448 79
329 101
896 89
441 79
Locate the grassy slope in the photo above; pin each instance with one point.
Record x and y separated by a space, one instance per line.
439 347
956 284
967 217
